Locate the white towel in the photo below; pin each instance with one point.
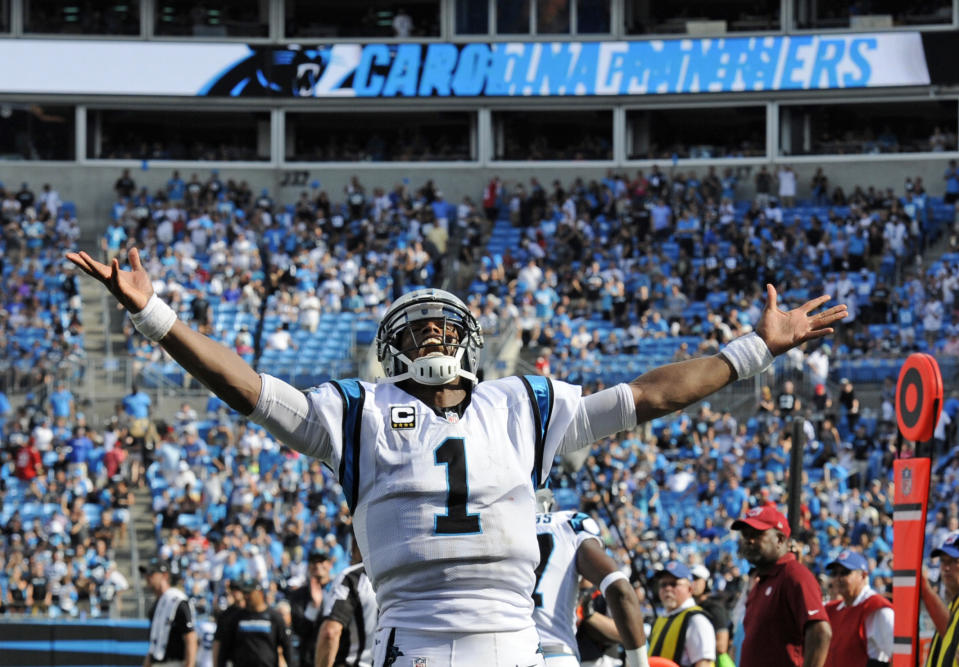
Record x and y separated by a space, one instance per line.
162 621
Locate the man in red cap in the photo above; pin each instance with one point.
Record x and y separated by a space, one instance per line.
786 623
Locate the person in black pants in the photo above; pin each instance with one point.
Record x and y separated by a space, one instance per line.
256 637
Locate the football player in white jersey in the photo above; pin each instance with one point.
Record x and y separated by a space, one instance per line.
438 470
569 547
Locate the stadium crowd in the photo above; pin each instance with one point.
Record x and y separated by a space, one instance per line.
654 267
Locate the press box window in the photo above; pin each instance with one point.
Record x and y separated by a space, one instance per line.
363 18
850 129
700 133
532 17
871 16
4 15
36 132
236 18
551 135
178 135
90 17
701 17
380 137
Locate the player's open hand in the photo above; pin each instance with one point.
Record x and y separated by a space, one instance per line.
785 329
131 288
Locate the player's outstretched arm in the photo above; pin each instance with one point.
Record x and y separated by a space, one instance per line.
596 566
674 386
221 369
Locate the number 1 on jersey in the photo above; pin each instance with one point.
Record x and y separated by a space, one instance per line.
456 521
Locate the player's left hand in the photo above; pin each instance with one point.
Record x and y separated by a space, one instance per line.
785 329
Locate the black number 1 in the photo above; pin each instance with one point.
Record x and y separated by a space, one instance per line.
545 549
456 521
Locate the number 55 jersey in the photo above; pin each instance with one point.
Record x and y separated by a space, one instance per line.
443 506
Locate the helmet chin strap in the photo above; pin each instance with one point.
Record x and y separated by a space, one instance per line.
432 370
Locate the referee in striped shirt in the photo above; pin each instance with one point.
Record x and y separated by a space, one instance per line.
349 619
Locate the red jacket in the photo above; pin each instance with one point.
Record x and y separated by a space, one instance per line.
27 462
848 645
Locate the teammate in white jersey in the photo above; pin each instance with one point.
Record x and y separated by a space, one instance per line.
206 630
569 547
440 471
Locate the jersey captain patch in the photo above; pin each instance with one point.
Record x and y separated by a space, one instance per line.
402 416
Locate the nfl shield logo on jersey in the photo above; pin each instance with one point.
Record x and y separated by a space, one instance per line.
402 416
420 662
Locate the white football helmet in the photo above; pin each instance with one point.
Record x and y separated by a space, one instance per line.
436 368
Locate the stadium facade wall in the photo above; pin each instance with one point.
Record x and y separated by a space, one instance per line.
29 642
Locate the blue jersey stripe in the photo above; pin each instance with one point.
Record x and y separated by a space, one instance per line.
540 390
353 396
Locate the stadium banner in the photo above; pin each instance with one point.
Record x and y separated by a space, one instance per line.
479 69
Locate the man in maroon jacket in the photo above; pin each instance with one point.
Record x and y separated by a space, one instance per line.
27 462
862 620
786 623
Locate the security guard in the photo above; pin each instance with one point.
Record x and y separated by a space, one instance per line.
684 634
944 648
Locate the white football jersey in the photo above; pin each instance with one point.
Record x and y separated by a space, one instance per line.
557 582
206 629
443 506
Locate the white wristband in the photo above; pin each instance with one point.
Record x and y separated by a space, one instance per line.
609 579
637 657
748 354
155 320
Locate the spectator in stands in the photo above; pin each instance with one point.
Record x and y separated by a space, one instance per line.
281 339
787 402
951 178
62 402
847 399
402 24
787 625
125 186
861 619
28 464
787 185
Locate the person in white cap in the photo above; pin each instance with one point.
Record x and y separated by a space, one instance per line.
714 608
861 619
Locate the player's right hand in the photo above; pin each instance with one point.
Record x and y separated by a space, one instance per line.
131 288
